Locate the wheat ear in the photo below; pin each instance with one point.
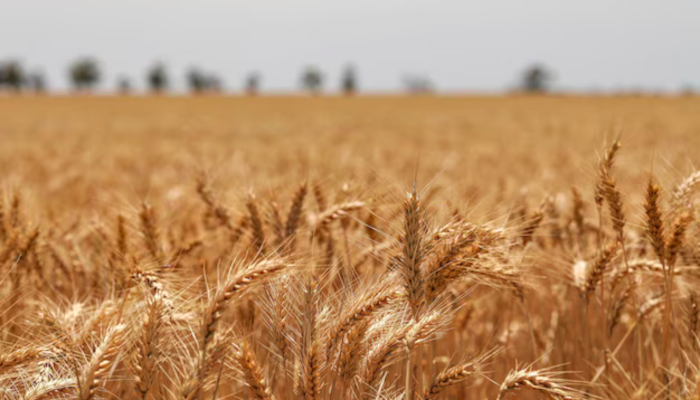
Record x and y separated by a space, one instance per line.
604 171
655 224
684 191
150 231
219 212
257 273
413 253
311 345
295 212
50 388
355 315
148 352
253 373
20 356
541 381
455 375
675 241
256 224
100 364
598 269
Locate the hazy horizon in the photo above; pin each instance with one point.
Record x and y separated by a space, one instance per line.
461 46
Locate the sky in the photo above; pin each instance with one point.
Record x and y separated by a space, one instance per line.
476 46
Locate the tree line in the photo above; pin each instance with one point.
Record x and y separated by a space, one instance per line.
85 75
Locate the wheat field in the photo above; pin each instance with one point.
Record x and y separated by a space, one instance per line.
349 248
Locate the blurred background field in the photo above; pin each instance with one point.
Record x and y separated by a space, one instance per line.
94 152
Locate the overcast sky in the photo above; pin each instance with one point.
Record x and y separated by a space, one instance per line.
461 45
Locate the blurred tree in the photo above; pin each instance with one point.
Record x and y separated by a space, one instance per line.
37 82
214 84
536 79
418 84
84 74
312 80
12 76
252 84
687 90
124 86
201 82
348 82
197 81
157 78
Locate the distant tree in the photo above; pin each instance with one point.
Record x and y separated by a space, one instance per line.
124 86
418 84
536 79
157 78
12 76
312 80
252 84
197 81
687 90
84 74
214 83
202 82
36 82
348 82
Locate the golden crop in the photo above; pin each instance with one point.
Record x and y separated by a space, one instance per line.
348 248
